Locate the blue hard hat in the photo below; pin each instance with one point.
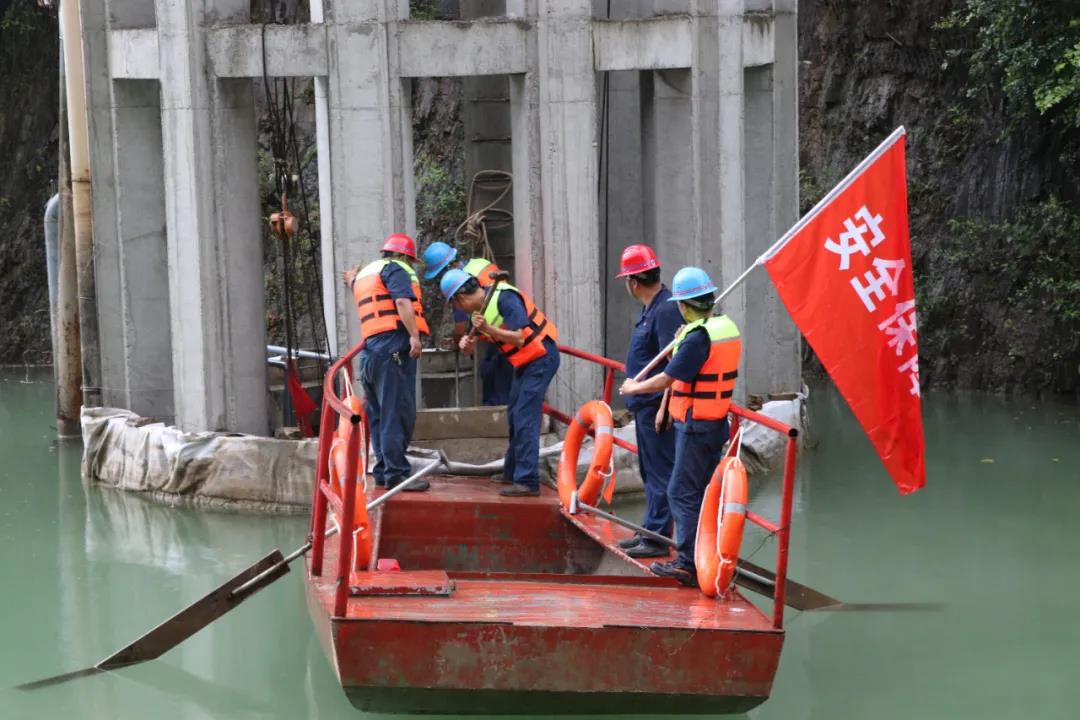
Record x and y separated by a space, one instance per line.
452 281
691 282
437 256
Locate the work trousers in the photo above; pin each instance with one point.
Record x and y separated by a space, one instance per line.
389 380
656 457
696 456
523 414
496 376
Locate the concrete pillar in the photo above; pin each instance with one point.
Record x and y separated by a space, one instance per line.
668 163
621 214
145 343
94 15
214 315
360 134
569 171
784 337
716 125
524 91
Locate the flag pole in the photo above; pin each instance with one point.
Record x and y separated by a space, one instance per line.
779 244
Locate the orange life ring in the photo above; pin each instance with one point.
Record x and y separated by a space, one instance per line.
720 527
597 415
362 540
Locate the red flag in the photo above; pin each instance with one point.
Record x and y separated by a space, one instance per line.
844 272
302 403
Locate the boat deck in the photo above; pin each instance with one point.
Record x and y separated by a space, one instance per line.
629 594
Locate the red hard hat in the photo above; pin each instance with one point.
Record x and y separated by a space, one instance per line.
400 243
637 259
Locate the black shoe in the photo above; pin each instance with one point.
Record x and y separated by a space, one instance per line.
516 490
686 576
380 483
630 542
647 549
500 479
419 485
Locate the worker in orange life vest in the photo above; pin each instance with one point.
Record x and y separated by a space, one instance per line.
701 375
496 374
388 300
528 340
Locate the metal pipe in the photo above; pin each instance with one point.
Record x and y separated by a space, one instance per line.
400 487
310 354
626 524
52 226
784 534
82 211
67 353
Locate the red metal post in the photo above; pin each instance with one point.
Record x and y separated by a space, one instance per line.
784 533
345 535
609 384
322 474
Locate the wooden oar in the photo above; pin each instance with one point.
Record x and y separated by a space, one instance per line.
748 575
210 607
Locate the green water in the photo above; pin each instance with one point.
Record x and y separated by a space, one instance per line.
84 570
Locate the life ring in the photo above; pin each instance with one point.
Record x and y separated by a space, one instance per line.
597 415
720 527
339 456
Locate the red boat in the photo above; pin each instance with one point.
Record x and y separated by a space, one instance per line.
516 606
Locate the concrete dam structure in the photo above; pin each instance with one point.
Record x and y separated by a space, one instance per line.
670 122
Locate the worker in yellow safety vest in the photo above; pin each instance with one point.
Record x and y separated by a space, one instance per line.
388 300
496 374
701 375
528 341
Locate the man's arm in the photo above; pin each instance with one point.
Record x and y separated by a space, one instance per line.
408 319
658 382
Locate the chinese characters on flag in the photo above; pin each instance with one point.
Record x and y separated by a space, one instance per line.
844 273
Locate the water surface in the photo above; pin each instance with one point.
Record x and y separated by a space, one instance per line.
86 569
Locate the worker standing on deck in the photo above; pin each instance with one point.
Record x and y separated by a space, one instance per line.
496 374
701 374
655 328
388 299
527 339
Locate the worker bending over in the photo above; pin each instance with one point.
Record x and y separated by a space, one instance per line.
654 329
388 299
527 339
496 374
701 375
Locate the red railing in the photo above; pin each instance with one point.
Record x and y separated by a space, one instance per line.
324 496
782 530
333 406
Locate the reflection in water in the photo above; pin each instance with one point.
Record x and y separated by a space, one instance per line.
88 569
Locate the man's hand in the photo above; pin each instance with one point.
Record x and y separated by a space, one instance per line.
467 344
629 387
414 346
349 276
479 324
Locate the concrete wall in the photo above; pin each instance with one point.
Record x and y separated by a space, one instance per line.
699 159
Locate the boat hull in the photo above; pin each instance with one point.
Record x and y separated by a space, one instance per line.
602 637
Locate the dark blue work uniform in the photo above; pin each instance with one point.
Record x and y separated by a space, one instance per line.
699 445
655 328
496 372
525 403
388 375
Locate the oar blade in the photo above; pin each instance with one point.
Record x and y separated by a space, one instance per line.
796 595
180 626
194 617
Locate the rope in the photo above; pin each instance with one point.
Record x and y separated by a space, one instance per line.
472 233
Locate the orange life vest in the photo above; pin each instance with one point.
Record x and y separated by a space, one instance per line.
538 328
709 395
378 312
481 269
